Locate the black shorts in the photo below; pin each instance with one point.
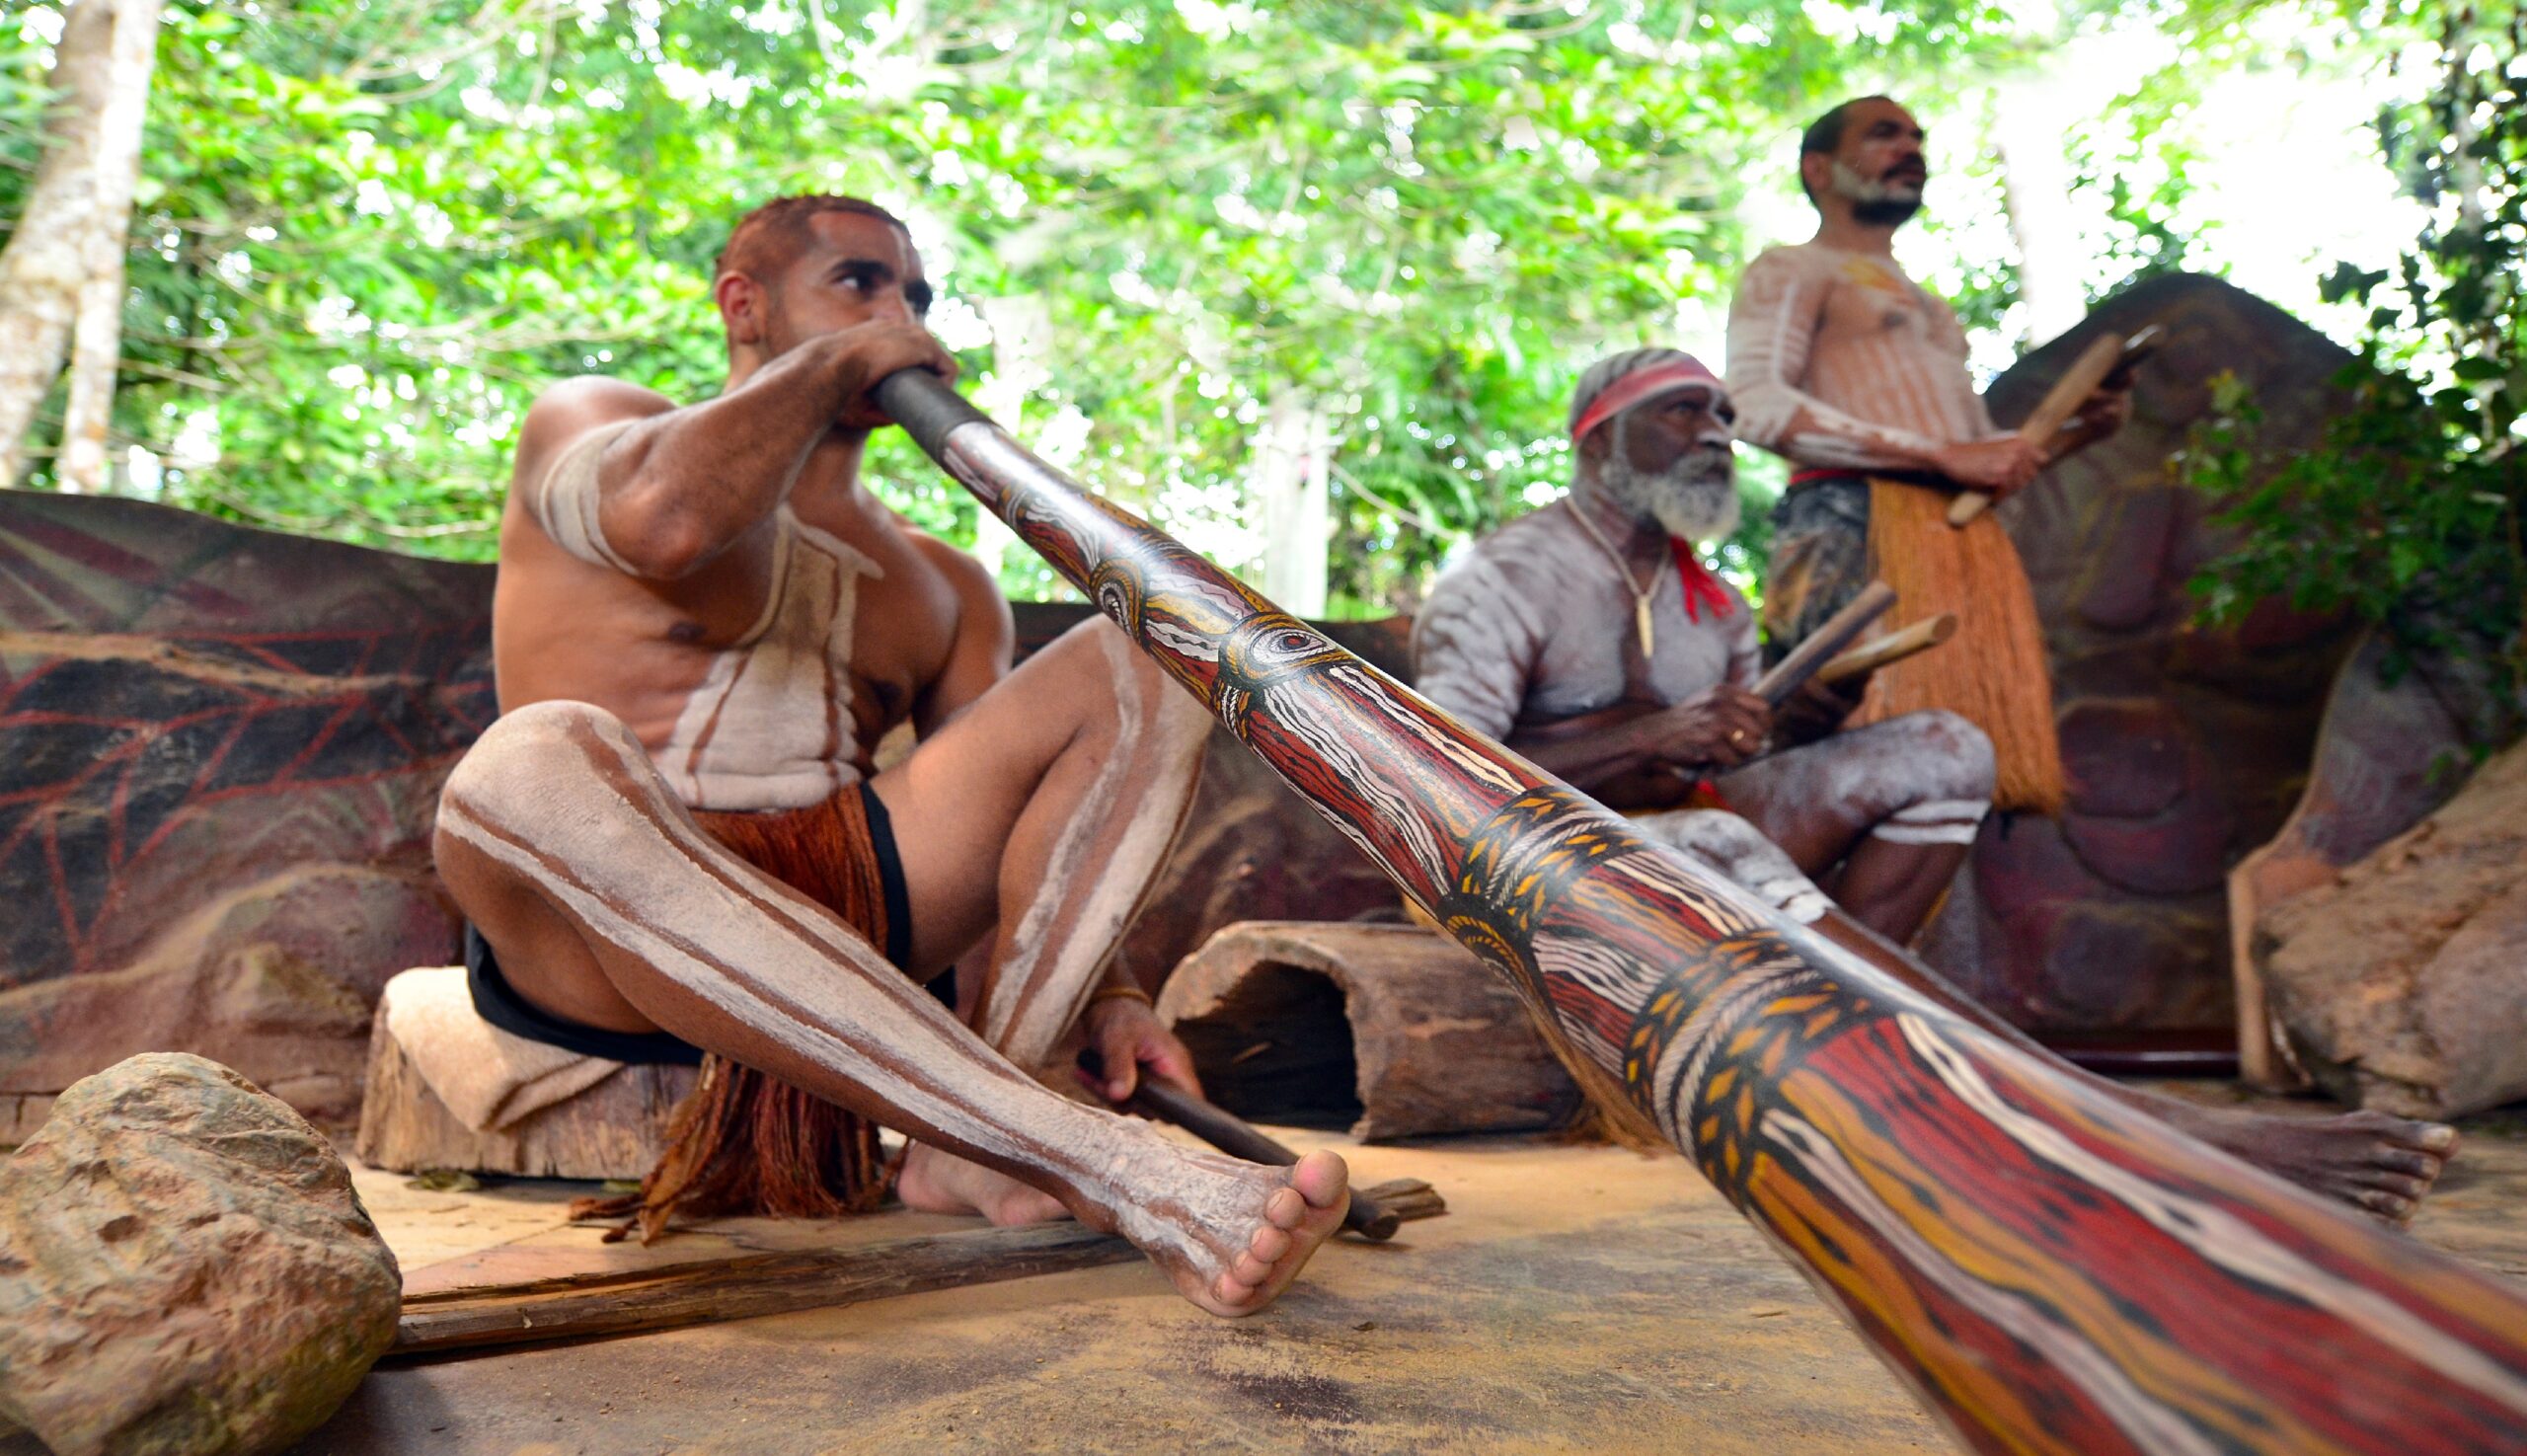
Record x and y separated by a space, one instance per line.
497 1002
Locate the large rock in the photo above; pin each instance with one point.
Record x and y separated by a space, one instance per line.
221 753
184 1269
2184 746
2402 985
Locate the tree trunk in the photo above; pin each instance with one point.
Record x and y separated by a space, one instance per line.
65 260
1022 334
2036 183
1291 457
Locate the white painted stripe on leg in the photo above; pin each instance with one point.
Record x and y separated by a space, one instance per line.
1895 833
1943 809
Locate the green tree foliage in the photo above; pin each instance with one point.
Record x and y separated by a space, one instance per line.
2408 515
371 229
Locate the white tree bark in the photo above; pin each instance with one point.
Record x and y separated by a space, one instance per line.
1292 455
65 257
1022 332
2031 131
96 339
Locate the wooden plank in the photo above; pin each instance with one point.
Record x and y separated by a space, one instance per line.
706 1291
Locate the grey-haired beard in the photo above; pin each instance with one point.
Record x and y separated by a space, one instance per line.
1877 203
1695 497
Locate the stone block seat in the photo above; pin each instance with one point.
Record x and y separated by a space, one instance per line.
448 1089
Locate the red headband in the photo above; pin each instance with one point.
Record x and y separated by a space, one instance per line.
1641 386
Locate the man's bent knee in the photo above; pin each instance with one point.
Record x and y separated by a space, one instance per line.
1951 781
1742 853
1955 755
1144 691
525 750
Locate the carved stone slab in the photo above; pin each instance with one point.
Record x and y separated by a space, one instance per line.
2184 746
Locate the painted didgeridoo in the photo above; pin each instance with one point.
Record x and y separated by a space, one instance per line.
2048 1270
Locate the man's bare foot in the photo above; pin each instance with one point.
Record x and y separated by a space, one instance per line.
2380 1164
1236 1235
933 1182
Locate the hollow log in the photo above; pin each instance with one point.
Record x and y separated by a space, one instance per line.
2049 1270
1394 1030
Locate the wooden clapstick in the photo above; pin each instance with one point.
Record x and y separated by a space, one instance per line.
1804 659
2059 404
1226 1131
1894 647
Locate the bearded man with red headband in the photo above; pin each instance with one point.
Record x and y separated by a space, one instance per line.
1590 637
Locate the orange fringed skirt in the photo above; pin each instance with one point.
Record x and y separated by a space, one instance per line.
1832 532
748 1143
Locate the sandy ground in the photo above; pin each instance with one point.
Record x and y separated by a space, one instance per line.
1574 1299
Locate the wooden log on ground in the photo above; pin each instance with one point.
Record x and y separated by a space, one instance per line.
1393 1029
712 1291
614 1129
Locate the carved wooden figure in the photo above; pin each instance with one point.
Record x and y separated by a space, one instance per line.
2048 1272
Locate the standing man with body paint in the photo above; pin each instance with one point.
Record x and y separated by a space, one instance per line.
673 838
1545 639
1857 374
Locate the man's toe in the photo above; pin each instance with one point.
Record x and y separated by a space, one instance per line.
1269 1245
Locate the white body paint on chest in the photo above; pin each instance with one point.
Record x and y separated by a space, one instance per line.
769 726
1837 358
1534 625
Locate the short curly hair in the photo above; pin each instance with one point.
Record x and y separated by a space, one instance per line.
771 237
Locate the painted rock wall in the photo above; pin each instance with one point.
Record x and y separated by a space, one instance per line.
220 751
2185 748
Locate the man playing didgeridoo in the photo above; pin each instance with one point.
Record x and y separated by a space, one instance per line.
1545 637
1857 374
672 839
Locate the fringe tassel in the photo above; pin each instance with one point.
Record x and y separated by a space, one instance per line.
1993 672
743 1142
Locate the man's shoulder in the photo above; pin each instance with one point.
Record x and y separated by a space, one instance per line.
1518 553
961 570
1795 258
568 410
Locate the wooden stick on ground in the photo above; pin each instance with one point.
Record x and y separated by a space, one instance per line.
711 1291
2059 404
1894 647
1775 687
